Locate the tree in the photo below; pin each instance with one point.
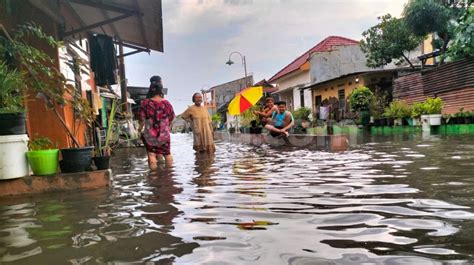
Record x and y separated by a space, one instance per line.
462 45
388 40
423 17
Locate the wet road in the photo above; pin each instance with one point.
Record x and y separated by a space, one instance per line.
382 202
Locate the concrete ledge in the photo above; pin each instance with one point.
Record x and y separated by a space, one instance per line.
61 182
333 143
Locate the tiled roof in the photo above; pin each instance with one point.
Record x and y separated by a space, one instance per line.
323 46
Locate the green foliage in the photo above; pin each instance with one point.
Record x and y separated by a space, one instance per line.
216 118
429 106
248 116
379 103
388 40
418 109
462 45
360 98
398 109
301 113
435 16
40 74
426 16
40 143
11 90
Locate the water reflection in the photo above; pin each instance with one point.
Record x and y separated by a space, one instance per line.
381 202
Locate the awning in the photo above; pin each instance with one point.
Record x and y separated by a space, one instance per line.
135 22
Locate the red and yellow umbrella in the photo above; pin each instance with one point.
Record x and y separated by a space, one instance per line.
245 99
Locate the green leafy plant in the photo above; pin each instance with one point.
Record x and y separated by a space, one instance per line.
398 109
110 133
248 116
379 103
389 40
418 109
11 90
360 99
434 105
216 118
40 143
40 74
302 113
462 45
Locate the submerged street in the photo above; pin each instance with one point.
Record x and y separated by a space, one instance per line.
391 201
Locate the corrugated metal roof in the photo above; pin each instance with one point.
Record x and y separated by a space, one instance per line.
323 46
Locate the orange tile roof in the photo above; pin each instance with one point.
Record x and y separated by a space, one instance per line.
323 46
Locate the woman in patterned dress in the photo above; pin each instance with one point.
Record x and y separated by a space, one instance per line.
201 124
156 115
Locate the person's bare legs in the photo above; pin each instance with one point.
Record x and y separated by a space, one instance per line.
272 128
169 159
152 160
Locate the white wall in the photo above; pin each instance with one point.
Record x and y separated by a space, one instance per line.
298 78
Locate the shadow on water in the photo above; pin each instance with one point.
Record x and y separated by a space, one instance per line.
384 201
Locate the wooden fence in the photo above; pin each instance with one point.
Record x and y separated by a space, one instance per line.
452 82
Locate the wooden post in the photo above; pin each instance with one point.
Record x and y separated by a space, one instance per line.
123 79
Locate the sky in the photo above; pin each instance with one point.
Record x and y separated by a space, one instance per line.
199 35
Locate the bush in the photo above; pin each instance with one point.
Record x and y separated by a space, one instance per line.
398 109
434 105
429 106
301 114
360 99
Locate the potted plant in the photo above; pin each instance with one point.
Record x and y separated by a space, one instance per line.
104 151
399 111
301 116
434 106
42 156
359 101
246 119
47 82
12 109
377 107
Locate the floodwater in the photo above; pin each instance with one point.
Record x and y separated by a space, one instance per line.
385 201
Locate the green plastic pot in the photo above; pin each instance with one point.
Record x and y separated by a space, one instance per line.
43 162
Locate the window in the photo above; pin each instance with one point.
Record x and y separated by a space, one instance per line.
342 98
302 98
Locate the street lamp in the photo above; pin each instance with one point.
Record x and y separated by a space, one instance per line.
230 62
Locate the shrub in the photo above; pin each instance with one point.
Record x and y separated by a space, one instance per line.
434 105
360 98
398 109
301 113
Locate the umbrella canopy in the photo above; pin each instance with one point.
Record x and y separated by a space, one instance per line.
245 99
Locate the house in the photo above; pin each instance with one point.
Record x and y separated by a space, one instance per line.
137 26
292 78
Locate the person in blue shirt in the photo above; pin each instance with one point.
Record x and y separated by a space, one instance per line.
282 120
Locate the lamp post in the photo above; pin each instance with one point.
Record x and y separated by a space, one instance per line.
230 62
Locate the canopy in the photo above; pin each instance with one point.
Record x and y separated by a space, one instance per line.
135 22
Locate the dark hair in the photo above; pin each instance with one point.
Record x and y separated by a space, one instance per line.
281 103
269 98
154 90
156 79
194 95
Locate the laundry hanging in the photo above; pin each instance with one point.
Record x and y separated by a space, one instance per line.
103 59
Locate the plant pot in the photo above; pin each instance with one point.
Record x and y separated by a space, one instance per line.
13 123
101 162
383 122
435 119
364 117
407 121
231 130
13 162
398 122
377 122
43 162
76 159
468 120
390 122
